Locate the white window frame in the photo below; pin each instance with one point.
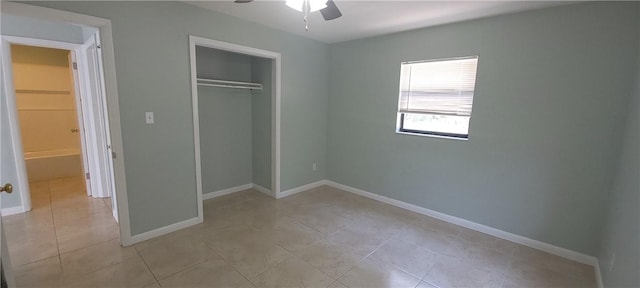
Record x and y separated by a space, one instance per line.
425 133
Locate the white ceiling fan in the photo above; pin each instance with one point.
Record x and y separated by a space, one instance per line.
327 8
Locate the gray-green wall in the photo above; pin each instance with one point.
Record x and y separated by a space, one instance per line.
621 235
152 67
261 122
225 120
553 87
551 95
41 29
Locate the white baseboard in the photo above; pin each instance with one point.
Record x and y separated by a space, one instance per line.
559 251
163 230
263 190
300 189
193 221
12 210
562 252
226 191
598 275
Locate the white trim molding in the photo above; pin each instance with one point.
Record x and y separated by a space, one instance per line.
163 230
599 282
301 189
559 251
263 190
12 210
226 191
276 67
232 190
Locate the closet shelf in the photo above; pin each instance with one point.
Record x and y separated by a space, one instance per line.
43 91
229 84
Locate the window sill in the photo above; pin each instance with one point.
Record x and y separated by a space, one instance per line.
432 135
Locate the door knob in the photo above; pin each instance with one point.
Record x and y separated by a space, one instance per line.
74 130
6 188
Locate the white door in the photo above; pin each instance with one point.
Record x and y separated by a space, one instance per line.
6 166
95 89
6 275
80 121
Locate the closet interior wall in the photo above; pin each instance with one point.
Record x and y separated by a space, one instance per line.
235 124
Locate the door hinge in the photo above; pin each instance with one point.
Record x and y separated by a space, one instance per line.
75 65
113 155
87 175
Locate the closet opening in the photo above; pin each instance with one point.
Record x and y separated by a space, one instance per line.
236 114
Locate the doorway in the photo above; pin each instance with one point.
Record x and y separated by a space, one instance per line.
56 110
49 117
57 115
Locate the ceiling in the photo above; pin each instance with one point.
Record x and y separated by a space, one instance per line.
363 19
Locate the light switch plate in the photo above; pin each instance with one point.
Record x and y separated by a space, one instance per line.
149 117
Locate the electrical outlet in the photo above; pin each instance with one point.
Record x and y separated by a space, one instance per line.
613 261
314 167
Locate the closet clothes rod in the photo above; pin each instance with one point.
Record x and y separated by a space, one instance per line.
229 84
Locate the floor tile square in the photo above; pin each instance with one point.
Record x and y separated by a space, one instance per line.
292 273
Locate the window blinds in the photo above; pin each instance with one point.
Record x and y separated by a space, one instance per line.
442 87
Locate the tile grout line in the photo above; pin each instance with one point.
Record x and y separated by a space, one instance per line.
208 245
106 206
78 249
361 261
147 265
90 246
237 271
183 268
301 259
420 279
55 229
326 238
56 233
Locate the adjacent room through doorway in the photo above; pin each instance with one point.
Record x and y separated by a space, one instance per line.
56 115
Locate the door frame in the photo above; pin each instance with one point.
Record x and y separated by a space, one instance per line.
101 108
12 111
111 88
94 114
84 116
276 69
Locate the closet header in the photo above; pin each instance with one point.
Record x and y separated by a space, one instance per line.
229 84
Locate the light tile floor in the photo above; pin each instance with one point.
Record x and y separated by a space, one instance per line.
63 220
323 237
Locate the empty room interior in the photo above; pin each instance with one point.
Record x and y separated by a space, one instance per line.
315 143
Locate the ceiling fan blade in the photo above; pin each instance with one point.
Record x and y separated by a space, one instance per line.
242 1
331 11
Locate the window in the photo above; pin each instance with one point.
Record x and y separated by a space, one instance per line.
436 96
